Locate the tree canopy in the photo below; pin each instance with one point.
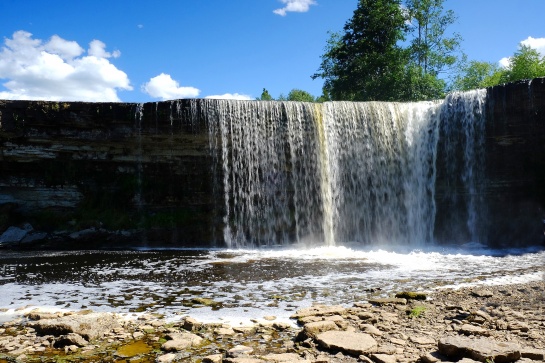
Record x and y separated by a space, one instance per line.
390 51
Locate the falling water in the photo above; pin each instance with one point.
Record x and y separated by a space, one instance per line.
463 129
337 172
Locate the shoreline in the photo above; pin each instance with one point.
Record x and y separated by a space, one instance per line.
400 331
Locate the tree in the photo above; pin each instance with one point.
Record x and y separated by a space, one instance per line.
366 63
527 63
265 96
475 74
300 95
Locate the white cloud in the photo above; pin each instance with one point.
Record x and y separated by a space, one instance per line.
58 71
536 43
231 96
298 6
163 86
505 62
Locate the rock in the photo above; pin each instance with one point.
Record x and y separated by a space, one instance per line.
388 301
90 326
214 358
480 349
533 354
469 329
482 293
239 350
15 234
224 331
191 324
34 237
169 357
243 360
181 341
283 357
410 295
383 358
205 301
311 330
351 343
319 310
70 339
422 340
433 357
370 329
518 325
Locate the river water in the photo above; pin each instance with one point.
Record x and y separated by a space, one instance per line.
245 284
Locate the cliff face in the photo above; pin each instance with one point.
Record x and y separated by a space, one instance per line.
140 169
143 174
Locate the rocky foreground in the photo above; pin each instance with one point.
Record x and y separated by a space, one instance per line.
488 324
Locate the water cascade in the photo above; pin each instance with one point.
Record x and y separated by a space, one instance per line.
319 174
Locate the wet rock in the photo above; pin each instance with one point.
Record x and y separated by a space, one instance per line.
191 324
181 341
347 342
243 360
480 349
15 234
411 295
167 358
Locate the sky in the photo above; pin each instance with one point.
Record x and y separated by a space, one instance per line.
147 51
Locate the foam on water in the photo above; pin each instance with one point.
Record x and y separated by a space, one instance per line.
250 284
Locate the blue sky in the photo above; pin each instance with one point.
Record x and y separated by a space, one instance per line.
141 50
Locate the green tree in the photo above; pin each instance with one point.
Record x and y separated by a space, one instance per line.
265 96
526 63
366 63
300 95
475 74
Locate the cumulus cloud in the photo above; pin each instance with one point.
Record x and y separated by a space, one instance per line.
536 43
298 6
164 87
231 96
58 70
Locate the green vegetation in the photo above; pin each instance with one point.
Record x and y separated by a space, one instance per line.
416 312
390 51
294 95
411 295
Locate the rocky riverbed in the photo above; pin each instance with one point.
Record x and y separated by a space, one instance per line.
493 323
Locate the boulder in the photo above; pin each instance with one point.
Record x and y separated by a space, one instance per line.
351 343
181 341
70 339
15 234
89 325
480 349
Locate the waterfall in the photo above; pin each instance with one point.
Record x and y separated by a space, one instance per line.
337 172
463 132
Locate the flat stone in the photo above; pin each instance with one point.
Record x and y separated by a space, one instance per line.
319 310
482 293
469 329
533 354
383 358
89 325
70 339
181 341
518 325
243 360
169 357
388 301
480 349
370 329
283 357
347 342
313 329
239 350
422 340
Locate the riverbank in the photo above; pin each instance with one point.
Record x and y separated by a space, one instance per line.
500 323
